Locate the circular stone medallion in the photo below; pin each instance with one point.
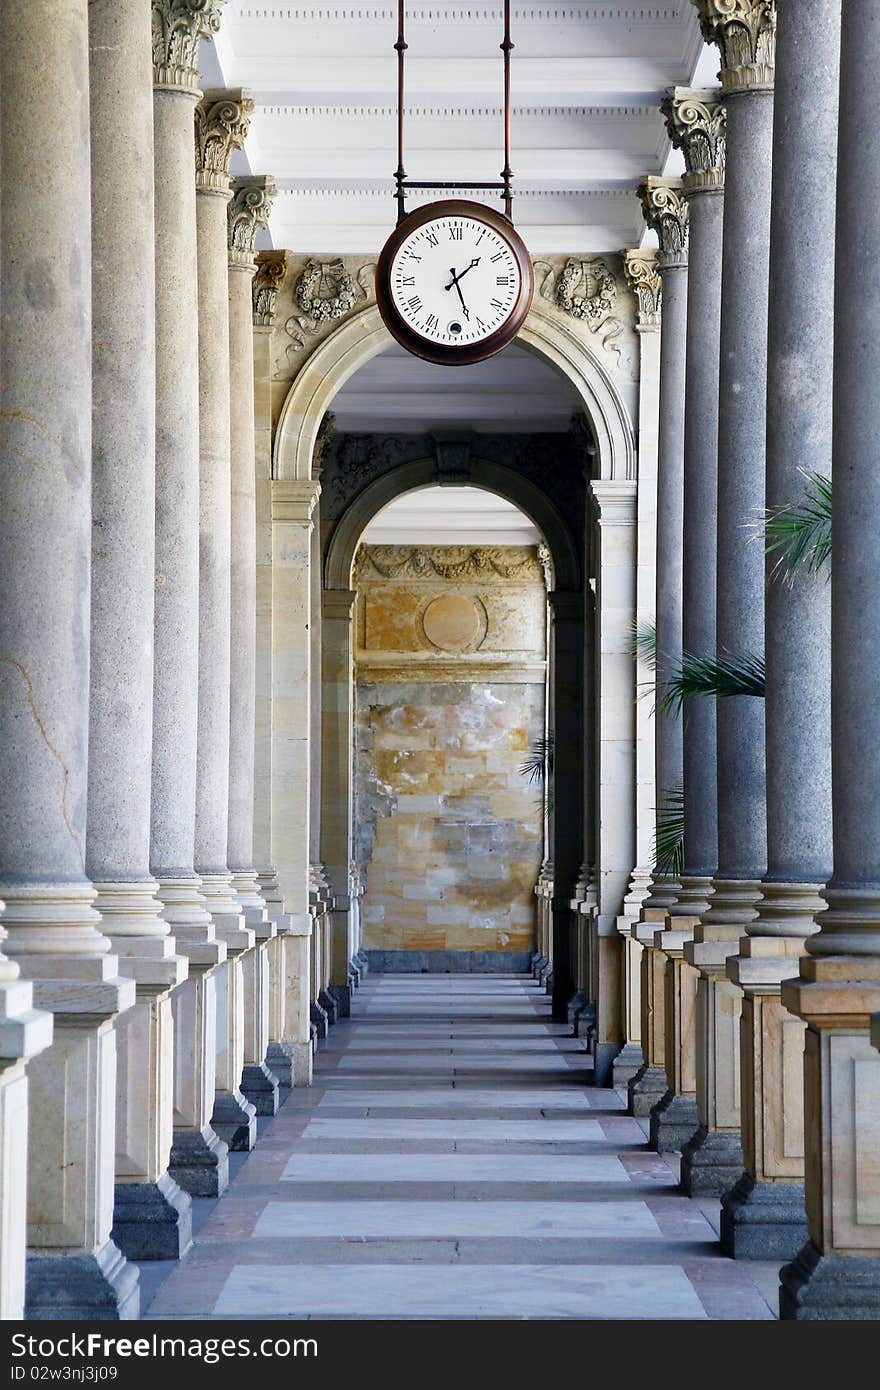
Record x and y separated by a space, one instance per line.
451 622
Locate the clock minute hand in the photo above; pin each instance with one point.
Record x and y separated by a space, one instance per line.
464 308
455 278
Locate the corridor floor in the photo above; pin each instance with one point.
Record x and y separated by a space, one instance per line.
450 1162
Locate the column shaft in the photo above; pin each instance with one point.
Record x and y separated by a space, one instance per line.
75 1270
763 1217
837 1273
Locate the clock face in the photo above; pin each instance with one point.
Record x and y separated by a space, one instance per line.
456 282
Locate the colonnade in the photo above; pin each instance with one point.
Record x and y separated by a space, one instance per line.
760 966
154 988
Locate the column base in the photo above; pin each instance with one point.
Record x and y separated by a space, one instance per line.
301 1058
829 1288
711 1162
674 1120
319 1019
763 1220
152 1220
361 958
627 1064
235 1121
329 1003
199 1162
646 1089
259 1085
342 995
576 1003
585 1023
102 1287
604 1055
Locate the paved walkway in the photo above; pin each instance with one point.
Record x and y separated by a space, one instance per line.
451 1162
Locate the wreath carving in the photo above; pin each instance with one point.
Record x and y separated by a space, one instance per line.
325 291
597 290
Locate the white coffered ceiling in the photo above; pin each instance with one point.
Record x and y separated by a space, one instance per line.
451 516
587 79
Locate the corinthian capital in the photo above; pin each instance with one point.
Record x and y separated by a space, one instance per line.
665 211
178 28
697 125
249 209
745 32
222 121
270 276
643 278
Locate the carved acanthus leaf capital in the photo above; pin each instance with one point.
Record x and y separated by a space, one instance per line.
696 119
178 28
221 126
665 210
249 208
270 276
745 33
641 268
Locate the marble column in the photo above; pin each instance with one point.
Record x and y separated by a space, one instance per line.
836 1275
271 273
763 1216
248 212
643 278
567 637
666 212
614 505
74 1269
221 125
152 1215
745 35
696 121
336 787
293 503
198 1158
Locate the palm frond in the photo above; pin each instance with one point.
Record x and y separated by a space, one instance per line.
644 644
800 532
722 677
669 834
538 762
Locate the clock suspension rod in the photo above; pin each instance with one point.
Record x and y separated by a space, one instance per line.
402 183
400 173
507 172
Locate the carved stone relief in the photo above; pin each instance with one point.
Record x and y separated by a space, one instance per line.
586 289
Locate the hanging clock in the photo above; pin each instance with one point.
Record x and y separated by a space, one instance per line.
454 282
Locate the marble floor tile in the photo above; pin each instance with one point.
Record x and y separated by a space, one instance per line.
459 1291
377 1220
458 1167
501 1131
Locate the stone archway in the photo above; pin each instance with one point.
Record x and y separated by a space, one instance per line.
364 335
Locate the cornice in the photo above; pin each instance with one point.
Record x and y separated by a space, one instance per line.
587 13
294 499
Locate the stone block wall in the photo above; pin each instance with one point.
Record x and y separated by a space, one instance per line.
450 694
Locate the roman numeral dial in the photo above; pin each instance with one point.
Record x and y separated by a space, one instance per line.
453 277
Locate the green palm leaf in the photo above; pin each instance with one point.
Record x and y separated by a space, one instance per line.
800 532
644 644
669 834
722 677
538 762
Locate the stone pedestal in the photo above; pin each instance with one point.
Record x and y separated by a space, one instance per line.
259 1084
674 1119
289 1054
712 1161
199 1158
649 1085
24 1031
233 1117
